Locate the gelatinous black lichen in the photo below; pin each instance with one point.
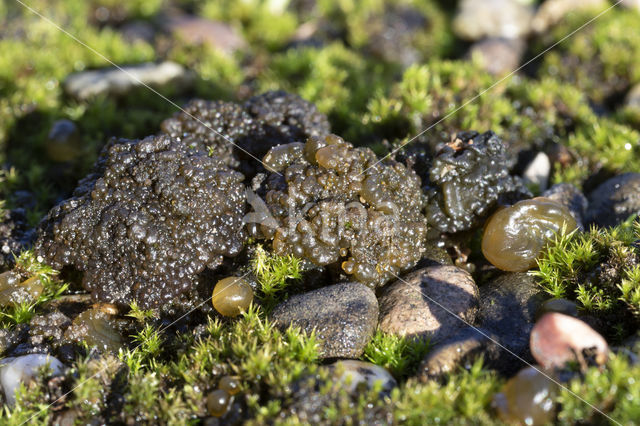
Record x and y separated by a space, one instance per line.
251 129
150 218
466 179
333 204
15 236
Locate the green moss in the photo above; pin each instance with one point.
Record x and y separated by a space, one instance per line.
359 21
338 80
464 399
28 266
600 270
265 23
615 391
400 355
446 97
602 59
274 274
32 68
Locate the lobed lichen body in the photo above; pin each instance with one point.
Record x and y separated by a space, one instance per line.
335 205
150 218
466 179
240 134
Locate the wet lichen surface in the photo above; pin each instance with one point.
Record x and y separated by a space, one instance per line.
147 253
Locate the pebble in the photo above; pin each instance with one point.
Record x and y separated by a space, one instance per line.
23 369
477 19
615 200
508 305
63 142
552 12
351 373
196 30
570 197
559 305
557 339
537 172
406 311
632 99
112 81
461 350
497 55
344 317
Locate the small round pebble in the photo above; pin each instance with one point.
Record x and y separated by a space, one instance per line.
229 384
416 306
562 306
557 339
526 399
231 296
514 236
218 402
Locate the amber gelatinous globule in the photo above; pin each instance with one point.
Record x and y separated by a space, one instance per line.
527 398
514 236
231 296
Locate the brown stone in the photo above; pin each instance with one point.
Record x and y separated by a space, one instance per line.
414 306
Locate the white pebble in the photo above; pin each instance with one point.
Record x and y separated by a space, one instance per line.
23 369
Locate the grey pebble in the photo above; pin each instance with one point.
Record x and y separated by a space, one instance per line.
344 317
113 81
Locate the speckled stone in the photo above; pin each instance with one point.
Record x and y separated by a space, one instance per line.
405 309
615 200
343 315
570 197
508 306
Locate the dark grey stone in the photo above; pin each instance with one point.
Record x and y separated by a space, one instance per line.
615 200
344 316
462 350
508 306
570 197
